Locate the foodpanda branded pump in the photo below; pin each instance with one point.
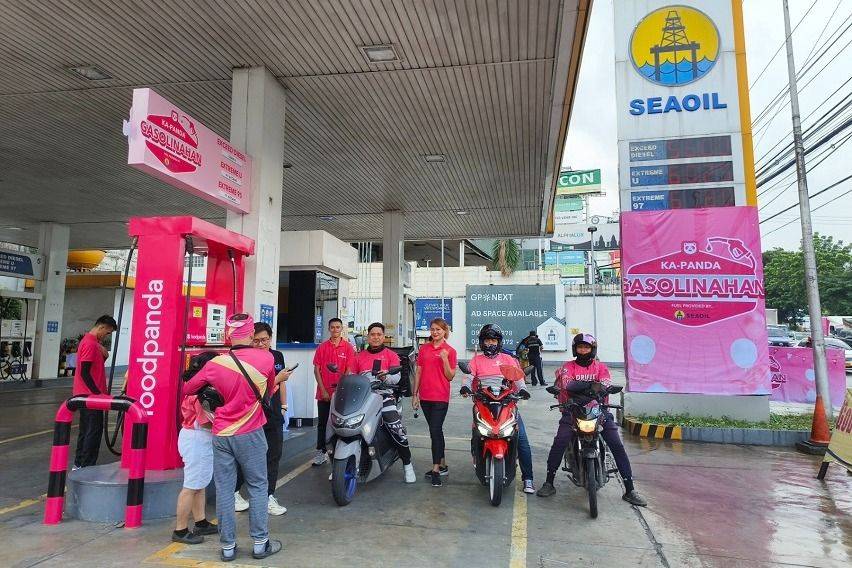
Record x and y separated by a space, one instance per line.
170 324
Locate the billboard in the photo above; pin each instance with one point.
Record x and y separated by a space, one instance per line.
21 264
694 312
170 145
578 182
568 209
518 309
569 263
578 237
793 377
427 309
684 132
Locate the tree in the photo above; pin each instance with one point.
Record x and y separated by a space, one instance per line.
506 256
784 280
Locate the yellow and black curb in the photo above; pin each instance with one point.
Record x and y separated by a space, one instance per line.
646 430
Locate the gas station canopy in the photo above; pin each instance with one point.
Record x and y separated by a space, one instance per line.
454 112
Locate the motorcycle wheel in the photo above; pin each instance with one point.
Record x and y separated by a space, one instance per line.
344 480
496 469
592 486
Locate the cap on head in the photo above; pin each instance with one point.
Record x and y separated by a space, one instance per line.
241 326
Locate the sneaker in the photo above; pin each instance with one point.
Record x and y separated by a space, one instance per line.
444 471
320 458
228 554
188 538
635 498
210 528
269 548
240 504
528 486
546 490
436 481
274 508
410 476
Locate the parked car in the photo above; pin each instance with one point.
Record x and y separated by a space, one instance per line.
778 336
835 343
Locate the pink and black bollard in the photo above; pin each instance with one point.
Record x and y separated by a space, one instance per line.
59 454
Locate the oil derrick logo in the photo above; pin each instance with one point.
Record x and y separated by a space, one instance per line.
674 45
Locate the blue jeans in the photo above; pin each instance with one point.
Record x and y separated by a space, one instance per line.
524 451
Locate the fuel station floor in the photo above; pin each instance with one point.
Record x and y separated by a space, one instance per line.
710 505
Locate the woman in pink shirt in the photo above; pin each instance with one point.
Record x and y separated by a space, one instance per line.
436 367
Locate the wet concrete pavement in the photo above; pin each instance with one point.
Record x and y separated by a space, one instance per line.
710 505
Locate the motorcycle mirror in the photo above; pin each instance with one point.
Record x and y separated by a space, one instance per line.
464 367
394 370
614 389
332 367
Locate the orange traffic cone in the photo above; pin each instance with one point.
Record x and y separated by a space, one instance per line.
820 434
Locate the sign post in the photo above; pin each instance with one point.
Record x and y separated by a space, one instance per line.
840 448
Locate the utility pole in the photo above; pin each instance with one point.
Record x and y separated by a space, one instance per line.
593 269
442 280
811 286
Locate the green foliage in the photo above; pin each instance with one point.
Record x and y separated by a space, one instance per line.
10 308
506 255
776 421
784 280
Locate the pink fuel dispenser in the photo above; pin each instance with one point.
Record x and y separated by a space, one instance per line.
171 323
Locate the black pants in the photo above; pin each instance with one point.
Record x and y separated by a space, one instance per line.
392 420
323 408
565 437
435 413
89 437
274 432
538 371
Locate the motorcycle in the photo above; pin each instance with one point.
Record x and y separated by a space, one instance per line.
494 433
363 448
586 459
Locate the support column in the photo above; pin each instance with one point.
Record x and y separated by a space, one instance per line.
392 259
53 244
461 253
258 103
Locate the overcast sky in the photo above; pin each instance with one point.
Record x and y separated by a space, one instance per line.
592 139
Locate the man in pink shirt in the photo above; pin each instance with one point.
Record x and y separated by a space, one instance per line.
90 378
242 377
340 352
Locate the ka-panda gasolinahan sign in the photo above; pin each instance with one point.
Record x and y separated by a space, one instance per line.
174 147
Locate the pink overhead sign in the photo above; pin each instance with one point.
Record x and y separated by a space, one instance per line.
170 145
694 314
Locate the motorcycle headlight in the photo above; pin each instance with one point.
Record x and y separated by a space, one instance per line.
337 421
587 426
484 430
507 429
353 422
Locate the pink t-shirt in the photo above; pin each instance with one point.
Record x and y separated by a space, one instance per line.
192 413
434 385
341 355
241 412
89 351
363 361
597 372
487 370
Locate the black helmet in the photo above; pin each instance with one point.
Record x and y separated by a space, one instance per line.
208 397
589 340
491 331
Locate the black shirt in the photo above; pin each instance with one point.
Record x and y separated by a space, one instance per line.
275 401
534 344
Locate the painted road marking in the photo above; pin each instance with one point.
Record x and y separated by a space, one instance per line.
25 436
166 556
23 504
518 558
451 438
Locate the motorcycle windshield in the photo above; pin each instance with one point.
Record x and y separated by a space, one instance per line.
351 394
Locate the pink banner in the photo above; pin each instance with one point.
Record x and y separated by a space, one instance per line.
694 313
170 145
793 379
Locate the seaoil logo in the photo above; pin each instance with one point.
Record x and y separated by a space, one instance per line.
674 45
679 315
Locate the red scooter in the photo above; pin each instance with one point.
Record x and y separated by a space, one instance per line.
494 433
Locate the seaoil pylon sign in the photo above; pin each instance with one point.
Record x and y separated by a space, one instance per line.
691 256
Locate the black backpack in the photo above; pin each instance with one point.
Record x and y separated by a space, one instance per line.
407 357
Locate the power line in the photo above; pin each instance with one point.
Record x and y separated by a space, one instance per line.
780 47
820 192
